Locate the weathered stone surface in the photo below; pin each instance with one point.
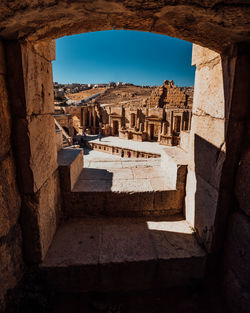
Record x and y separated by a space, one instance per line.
185 140
5 119
38 82
10 201
200 207
2 59
37 154
202 22
30 80
122 254
209 98
11 262
202 56
41 213
207 144
47 50
70 162
236 264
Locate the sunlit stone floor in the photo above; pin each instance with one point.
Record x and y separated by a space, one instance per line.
106 172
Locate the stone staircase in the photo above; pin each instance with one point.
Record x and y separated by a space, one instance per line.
114 240
67 140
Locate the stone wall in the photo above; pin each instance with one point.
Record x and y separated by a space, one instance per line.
217 201
11 259
207 138
31 95
236 266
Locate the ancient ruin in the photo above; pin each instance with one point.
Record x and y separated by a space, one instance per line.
141 114
189 243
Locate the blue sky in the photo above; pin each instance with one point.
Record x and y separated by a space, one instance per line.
128 56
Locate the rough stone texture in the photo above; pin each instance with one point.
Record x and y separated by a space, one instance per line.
70 162
201 55
209 148
160 203
207 144
5 125
209 81
47 50
122 254
237 266
37 152
9 196
2 59
11 262
31 78
40 218
38 81
209 23
185 140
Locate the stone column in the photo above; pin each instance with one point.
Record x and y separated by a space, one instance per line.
31 94
159 133
90 116
84 118
130 122
94 120
169 121
164 128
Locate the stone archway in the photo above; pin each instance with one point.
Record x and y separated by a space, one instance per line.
220 106
208 23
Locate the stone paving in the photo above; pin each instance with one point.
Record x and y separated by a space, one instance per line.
122 254
121 180
96 159
144 146
106 172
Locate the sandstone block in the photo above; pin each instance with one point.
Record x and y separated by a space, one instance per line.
209 98
46 49
205 207
190 197
70 162
36 146
5 125
40 218
10 201
30 80
201 55
38 83
236 264
2 59
11 262
207 142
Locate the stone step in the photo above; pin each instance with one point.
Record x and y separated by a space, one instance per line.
119 192
122 204
113 254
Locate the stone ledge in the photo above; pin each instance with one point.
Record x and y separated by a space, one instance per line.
174 163
122 254
121 204
70 162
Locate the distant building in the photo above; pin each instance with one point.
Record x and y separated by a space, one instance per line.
160 118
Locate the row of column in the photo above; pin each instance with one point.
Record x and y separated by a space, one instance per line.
88 117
